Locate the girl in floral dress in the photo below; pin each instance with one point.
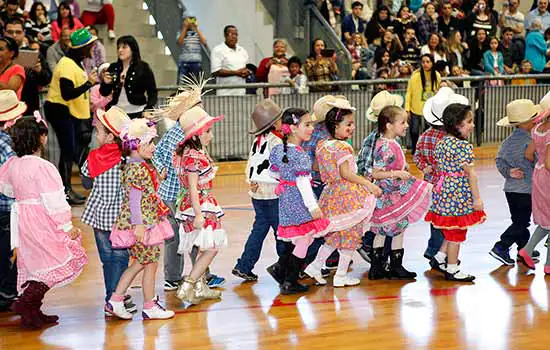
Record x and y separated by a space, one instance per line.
540 144
197 207
49 252
404 199
300 219
347 199
142 223
457 204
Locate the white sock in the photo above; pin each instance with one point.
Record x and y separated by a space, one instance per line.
343 263
452 268
440 257
322 256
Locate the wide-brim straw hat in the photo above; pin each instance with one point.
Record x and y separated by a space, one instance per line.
323 105
545 102
114 119
196 120
265 115
10 106
435 105
519 112
81 38
381 100
139 130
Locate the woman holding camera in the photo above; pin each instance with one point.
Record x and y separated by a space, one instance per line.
482 17
321 66
130 80
274 69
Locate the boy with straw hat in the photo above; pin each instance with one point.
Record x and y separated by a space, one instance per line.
517 172
10 110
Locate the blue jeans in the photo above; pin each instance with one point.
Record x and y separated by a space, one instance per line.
188 68
435 242
267 216
115 261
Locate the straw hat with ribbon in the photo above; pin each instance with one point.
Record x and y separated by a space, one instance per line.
323 105
114 119
81 38
435 105
519 112
381 100
265 115
195 121
10 106
136 132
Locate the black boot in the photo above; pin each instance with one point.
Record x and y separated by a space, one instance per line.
377 270
290 284
277 270
397 271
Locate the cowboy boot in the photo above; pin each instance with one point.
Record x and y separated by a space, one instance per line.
377 270
397 271
186 291
290 284
202 290
42 289
26 307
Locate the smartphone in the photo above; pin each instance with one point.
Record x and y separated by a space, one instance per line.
192 19
327 52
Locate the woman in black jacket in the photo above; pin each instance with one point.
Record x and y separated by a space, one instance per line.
130 80
380 21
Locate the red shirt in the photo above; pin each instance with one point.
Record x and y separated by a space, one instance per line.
12 71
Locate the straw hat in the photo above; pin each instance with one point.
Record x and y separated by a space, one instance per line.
188 96
265 115
195 121
519 112
323 105
114 119
435 105
381 100
10 107
81 38
137 131
545 102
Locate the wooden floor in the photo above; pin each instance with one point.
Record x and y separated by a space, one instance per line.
507 308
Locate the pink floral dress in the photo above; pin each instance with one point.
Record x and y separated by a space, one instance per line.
348 206
40 219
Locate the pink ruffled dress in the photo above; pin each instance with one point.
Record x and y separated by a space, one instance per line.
348 206
541 179
40 219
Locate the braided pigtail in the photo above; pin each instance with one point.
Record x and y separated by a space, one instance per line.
291 116
285 148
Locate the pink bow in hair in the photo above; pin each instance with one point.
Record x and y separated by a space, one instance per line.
285 129
39 118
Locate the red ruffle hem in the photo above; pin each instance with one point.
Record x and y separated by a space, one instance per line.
315 228
456 222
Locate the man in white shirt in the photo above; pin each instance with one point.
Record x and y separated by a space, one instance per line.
228 63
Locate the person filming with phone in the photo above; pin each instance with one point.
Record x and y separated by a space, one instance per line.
321 66
190 40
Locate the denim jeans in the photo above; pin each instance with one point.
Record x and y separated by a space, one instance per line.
267 216
188 68
415 130
173 262
115 261
435 242
8 272
520 212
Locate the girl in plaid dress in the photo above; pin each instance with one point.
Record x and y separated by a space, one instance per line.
141 224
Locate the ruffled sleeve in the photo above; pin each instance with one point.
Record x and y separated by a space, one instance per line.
464 153
275 160
52 194
343 152
6 187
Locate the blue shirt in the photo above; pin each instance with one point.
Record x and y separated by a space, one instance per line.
512 155
162 159
531 16
5 153
320 133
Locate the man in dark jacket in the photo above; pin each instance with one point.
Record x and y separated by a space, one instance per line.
353 23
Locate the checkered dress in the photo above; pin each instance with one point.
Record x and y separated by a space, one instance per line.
6 153
105 200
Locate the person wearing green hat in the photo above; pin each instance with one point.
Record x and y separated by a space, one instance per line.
68 104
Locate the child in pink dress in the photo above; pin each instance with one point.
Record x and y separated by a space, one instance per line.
347 198
141 224
540 145
49 252
404 199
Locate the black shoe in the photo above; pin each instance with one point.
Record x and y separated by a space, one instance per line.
377 270
459 277
331 264
536 254
247 276
502 255
72 199
276 272
293 288
436 265
397 271
365 253
325 273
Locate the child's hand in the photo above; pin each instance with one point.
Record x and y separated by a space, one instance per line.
253 186
140 233
377 191
198 222
74 233
478 204
317 214
402 174
517 173
428 170
163 174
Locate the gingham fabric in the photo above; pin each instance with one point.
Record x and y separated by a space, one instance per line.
6 153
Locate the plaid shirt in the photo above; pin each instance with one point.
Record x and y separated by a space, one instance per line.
425 28
5 153
365 157
425 149
162 159
104 203
320 133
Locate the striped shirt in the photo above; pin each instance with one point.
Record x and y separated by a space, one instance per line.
512 155
191 48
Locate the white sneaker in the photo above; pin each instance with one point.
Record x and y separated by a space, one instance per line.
116 308
157 312
112 35
315 274
344 281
